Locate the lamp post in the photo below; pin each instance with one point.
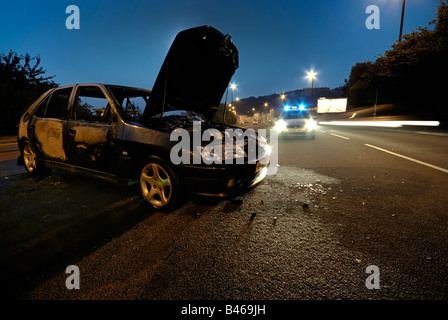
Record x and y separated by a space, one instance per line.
232 86
311 75
402 19
282 98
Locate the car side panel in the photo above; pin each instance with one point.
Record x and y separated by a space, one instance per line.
49 137
89 144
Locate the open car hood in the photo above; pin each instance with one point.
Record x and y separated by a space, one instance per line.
195 73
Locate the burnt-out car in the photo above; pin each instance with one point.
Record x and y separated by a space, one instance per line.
124 134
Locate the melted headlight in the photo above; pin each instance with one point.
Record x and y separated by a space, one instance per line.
220 153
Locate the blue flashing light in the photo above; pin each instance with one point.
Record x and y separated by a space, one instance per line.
301 107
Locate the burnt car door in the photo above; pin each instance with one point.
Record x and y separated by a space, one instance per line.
47 126
88 134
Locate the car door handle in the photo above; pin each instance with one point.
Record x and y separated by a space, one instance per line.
72 132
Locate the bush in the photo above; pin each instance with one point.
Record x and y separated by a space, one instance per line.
22 81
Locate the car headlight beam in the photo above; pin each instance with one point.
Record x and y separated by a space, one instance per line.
280 126
311 124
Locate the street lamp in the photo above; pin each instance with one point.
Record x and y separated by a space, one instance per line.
311 75
233 87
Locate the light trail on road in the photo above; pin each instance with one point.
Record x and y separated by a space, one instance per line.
390 124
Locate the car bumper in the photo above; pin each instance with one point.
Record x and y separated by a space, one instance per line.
222 181
297 132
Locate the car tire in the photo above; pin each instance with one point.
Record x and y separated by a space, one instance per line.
159 184
30 161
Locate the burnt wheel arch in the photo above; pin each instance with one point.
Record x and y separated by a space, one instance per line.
30 160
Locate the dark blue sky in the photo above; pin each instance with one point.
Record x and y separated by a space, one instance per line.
125 42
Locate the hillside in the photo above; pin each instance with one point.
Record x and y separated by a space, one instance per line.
306 96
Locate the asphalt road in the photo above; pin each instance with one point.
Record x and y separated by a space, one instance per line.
350 199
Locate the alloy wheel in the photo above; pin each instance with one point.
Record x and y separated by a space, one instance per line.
29 157
156 185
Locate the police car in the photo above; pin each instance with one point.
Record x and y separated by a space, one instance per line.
296 121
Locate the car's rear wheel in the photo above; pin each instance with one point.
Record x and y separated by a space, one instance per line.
30 160
159 184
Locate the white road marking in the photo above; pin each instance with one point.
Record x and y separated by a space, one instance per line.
408 158
336 135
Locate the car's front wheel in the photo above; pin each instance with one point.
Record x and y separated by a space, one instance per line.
159 184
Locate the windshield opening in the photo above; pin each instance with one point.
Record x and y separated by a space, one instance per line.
295 115
133 102
179 117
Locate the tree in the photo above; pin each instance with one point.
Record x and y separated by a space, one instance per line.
22 81
441 25
360 85
412 72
